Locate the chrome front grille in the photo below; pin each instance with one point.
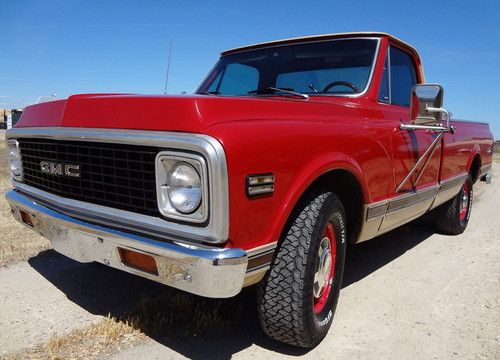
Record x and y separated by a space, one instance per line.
114 175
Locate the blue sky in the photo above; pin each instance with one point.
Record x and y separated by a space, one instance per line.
72 46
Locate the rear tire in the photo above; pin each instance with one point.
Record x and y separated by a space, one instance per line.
453 216
298 296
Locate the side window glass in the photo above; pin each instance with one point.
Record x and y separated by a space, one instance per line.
402 77
239 79
384 94
215 84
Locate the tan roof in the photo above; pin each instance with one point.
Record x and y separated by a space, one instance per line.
319 37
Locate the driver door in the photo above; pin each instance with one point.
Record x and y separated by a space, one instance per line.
419 191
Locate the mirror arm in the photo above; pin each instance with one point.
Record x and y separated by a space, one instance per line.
440 110
422 127
425 156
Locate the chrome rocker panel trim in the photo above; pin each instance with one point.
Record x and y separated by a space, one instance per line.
383 216
210 272
217 228
485 170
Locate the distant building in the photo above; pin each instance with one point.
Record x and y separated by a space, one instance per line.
9 117
5 115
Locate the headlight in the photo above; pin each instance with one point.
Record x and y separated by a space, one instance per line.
182 186
14 159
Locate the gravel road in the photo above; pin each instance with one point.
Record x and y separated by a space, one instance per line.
410 294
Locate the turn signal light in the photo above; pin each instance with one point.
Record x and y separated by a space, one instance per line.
260 184
138 261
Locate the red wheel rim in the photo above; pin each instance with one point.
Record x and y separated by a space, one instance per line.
325 269
464 202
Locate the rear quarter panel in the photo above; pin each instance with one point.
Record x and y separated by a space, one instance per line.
461 147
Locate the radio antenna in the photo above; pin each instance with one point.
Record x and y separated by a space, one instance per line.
168 66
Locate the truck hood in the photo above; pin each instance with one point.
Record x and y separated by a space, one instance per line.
171 113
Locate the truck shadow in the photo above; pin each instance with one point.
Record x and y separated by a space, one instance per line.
196 327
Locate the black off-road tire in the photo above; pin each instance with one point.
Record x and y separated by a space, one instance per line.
448 215
285 296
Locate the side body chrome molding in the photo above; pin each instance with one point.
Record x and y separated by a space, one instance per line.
386 215
379 218
217 228
260 258
259 261
485 169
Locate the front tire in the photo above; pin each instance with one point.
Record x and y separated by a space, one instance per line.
453 216
298 296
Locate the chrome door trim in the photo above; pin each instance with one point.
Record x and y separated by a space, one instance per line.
449 188
407 206
400 202
217 227
453 181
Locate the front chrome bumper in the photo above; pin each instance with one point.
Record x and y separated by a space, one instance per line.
210 272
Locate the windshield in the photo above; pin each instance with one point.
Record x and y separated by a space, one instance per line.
341 66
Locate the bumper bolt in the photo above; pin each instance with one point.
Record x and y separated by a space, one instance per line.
106 261
188 278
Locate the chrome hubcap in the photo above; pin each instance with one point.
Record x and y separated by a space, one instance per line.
465 200
321 277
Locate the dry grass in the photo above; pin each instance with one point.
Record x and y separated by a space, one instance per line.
171 313
16 242
104 337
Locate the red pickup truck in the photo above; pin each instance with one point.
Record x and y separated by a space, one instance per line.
287 151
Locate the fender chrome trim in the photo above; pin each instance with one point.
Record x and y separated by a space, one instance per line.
260 258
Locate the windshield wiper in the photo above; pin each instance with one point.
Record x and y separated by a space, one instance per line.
209 92
311 86
274 90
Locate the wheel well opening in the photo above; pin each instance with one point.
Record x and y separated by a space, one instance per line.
475 168
345 185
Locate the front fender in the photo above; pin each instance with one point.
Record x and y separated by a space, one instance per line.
307 175
297 153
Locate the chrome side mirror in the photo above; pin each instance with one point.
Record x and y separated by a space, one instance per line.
426 105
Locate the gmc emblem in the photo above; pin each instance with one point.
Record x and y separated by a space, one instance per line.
52 168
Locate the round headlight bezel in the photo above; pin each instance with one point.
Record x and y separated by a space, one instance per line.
14 160
178 188
165 163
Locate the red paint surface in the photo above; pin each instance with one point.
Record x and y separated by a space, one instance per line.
295 139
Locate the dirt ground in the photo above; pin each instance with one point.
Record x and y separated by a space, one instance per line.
410 294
